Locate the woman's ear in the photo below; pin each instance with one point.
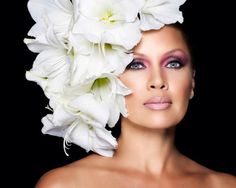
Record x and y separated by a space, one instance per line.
193 85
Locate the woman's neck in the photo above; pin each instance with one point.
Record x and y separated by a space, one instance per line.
144 149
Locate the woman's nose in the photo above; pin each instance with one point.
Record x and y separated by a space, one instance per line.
157 81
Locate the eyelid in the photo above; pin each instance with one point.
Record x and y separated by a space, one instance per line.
172 59
139 61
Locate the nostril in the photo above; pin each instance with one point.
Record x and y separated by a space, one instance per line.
162 87
154 86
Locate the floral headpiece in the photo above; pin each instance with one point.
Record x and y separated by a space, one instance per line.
83 46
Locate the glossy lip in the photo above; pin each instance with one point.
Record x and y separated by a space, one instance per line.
158 103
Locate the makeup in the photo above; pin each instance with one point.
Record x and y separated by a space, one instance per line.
158 103
176 55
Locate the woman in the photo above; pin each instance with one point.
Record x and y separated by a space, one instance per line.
161 78
134 65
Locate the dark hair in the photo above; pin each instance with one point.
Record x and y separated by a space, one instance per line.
186 35
117 129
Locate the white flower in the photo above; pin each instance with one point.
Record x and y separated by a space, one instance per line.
50 71
111 21
51 13
95 59
82 121
156 13
99 140
106 89
81 113
54 20
109 89
51 66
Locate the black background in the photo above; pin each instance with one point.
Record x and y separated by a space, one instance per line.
206 135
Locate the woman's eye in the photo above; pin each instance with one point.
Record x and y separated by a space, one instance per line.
174 64
135 65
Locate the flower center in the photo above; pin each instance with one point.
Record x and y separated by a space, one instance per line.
101 88
107 47
100 83
107 17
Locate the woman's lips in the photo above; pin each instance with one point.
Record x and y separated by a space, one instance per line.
158 103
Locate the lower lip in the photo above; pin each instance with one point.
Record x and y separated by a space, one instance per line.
157 106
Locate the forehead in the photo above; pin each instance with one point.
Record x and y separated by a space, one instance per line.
166 39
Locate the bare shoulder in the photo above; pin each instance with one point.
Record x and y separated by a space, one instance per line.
207 177
75 174
219 179
58 178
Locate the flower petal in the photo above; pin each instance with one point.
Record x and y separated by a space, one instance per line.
88 105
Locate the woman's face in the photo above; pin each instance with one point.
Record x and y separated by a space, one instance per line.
161 79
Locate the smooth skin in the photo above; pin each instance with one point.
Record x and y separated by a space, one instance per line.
162 80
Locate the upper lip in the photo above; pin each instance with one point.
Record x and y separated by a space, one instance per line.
158 99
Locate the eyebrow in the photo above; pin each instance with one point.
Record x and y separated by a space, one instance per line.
167 53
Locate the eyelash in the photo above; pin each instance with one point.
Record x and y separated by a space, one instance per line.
174 64
136 64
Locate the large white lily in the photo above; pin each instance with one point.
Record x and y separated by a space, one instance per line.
54 20
156 13
106 89
111 21
47 13
109 89
51 66
91 59
82 121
